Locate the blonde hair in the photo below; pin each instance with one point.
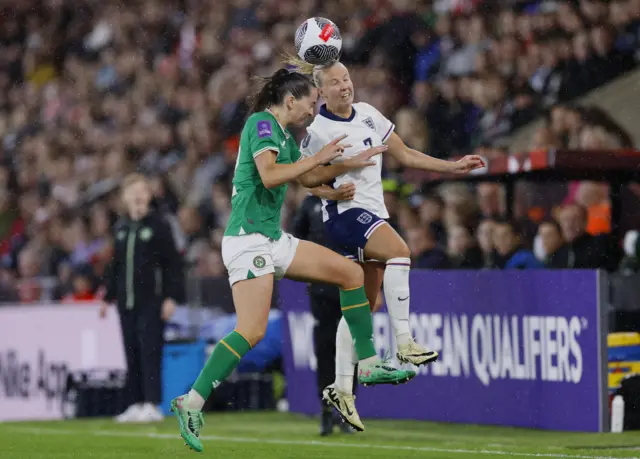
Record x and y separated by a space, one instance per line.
312 70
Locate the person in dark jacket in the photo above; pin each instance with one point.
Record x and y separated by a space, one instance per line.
146 281
582 250
325 300
424 248
462 249
507 238
550 239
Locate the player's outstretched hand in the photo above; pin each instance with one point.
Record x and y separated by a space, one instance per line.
345 192
332 150
468 164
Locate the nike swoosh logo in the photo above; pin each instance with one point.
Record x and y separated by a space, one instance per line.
349 412
403 299
284 142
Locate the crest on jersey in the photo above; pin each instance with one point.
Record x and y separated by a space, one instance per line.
369 122
305 141
145 234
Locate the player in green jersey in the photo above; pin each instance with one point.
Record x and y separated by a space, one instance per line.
255 250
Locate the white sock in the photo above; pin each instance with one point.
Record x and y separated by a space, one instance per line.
346 358
396 292
195 401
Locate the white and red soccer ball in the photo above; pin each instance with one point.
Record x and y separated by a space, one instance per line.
318 41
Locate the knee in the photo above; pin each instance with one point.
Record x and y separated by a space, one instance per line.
402 251
352 277
252 333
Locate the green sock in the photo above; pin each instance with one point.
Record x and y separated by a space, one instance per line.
357 313
224 358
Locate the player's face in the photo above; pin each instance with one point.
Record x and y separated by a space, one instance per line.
304 108
337 87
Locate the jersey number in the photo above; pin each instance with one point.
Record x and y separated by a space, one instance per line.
368 142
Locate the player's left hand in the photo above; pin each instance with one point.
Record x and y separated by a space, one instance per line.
467 164
168 309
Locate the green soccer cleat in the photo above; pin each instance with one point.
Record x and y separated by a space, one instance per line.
190 423
381 373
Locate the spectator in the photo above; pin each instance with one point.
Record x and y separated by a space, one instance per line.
485 242
462 250
581 250
431 213
83 286
424 249
28 286
507 239
551 240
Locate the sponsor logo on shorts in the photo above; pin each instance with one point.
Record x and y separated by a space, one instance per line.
365 218
259 262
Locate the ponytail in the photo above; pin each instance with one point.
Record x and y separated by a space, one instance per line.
272 90
305 68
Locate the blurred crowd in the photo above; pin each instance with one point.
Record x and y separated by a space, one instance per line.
92 90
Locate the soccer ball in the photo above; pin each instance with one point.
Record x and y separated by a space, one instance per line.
318 41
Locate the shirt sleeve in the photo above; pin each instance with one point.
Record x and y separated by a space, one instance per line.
311 144
383 126
261 136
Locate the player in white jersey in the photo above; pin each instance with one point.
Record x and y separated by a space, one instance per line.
358 225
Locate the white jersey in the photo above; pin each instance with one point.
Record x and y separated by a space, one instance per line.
366 128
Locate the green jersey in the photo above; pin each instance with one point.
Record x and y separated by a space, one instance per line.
254 208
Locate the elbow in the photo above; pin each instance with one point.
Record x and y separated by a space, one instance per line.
309 181
269 182
406 160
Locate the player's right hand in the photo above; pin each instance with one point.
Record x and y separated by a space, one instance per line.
363 159
345 192
332 150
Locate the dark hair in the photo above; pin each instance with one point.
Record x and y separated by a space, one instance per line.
275 88
552 222
515 227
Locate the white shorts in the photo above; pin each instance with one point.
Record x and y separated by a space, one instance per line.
254 255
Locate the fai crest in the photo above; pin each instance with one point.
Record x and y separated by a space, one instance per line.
369 122
259 262
146 233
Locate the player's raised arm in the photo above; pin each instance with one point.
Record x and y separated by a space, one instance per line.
414 159
322 175
274 174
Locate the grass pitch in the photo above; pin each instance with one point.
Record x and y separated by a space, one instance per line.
282 436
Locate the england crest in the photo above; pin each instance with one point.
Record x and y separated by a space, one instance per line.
369 122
